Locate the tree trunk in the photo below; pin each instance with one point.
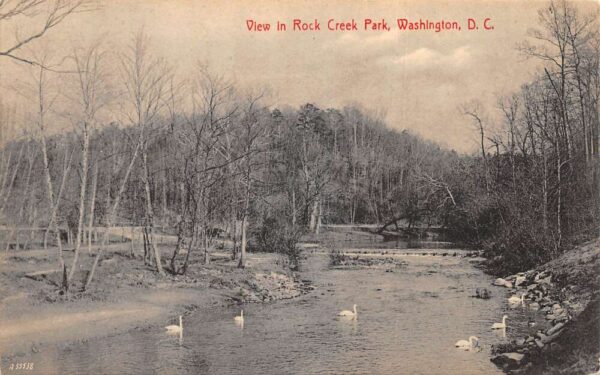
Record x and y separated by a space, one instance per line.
545 192
55 203
113 212
242 262
150 214
320 214
314 216
205 245
92 206
11 182
84 174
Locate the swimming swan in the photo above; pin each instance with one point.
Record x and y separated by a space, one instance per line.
467 345
240 318
515 300
174 328
500 325
348 313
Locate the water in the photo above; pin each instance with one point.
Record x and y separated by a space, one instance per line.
408 322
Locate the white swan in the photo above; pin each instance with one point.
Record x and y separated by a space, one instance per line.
348 313
500 325
515 300
240 318
174 328
467 345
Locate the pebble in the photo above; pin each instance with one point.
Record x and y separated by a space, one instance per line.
509 361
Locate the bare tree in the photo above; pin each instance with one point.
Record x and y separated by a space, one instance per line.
473 110
253 137
204 161
43 14
145 79
93 96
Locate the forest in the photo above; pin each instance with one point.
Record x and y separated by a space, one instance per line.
197 157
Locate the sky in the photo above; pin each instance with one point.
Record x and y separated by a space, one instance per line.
416 79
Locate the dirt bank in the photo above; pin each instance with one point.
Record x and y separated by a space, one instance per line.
566 293
126 294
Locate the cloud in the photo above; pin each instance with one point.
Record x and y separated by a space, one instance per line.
427 58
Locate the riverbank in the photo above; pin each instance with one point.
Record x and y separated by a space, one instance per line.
125 295
566 293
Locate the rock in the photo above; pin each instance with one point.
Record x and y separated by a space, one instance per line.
482 293
539 343
559 312
509 361
501 282
560 318
520 341
534 306
550 317
547 280
548 339
532 286
520 280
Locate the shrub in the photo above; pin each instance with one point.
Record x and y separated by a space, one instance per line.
276 236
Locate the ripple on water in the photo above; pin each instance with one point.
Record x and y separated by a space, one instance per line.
408 322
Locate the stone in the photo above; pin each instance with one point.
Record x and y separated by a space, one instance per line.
532 286
548 339
558 312
520 280
539 343
482 293
560 318
546 280
534 306
499 282
509 361
520 341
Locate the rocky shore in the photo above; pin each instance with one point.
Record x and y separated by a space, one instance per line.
563 292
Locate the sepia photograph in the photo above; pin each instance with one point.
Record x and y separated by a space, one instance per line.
394 187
